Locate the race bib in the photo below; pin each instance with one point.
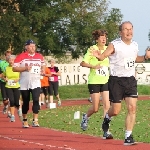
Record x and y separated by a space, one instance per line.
41 77
11 83
103 71
129 63
35 70
51 78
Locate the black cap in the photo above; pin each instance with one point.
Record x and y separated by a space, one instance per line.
29 42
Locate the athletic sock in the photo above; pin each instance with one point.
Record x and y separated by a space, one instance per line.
106 116
25 119
127 134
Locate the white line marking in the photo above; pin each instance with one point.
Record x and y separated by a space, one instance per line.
52 146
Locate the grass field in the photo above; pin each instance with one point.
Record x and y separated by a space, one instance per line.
63 119
81 91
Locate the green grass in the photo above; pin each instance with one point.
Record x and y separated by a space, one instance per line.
62 119
81 91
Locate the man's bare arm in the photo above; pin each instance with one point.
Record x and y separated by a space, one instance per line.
110 50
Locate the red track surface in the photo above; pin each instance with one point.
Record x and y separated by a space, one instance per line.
14 137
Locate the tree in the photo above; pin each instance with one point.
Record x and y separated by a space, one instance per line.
56 26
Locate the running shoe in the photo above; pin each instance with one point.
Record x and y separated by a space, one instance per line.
9 115
19 112
90 99
59 102
107 135
12 119
25 124
129 141
84 122
5 109
35 123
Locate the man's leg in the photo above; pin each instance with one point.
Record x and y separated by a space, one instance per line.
113 111
115 95
130 120
36 106
25 106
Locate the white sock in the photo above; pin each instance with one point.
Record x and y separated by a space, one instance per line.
8 112
108 116
127 134
46 101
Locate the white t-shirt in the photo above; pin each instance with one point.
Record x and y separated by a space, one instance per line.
31 79
122 62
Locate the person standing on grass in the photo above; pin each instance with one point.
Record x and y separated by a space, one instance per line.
30 65
53 81
3 65
12 87
97 79
44 87
122 53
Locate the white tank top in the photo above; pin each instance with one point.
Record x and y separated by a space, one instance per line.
122 62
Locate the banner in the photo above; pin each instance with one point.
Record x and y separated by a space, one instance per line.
72 74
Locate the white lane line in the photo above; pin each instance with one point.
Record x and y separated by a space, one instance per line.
52 146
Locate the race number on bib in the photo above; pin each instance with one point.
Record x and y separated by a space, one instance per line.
103 71
129 63
35 70
51 78
11 83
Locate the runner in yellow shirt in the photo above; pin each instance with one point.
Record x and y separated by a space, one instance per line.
12 87
97 79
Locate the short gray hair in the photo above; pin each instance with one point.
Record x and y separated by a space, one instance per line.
120 26
10 56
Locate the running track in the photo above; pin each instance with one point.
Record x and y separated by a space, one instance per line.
14 137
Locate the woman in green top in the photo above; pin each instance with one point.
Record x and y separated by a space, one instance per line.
12 86
97 79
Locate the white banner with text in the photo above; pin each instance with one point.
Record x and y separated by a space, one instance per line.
75 74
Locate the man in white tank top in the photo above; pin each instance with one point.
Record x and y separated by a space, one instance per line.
122 53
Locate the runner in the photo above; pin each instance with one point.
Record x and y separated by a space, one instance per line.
12 87
3 65
44 87
97 79
31 65
53 81
122 53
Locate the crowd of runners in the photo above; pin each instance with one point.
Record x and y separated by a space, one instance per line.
111 79
27 77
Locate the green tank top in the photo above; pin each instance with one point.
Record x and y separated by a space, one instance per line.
97 76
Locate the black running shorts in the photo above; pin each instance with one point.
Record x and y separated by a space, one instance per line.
96 88
122 87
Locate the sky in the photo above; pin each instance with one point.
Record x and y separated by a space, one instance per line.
137 12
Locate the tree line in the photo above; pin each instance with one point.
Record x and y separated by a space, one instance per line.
56 26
